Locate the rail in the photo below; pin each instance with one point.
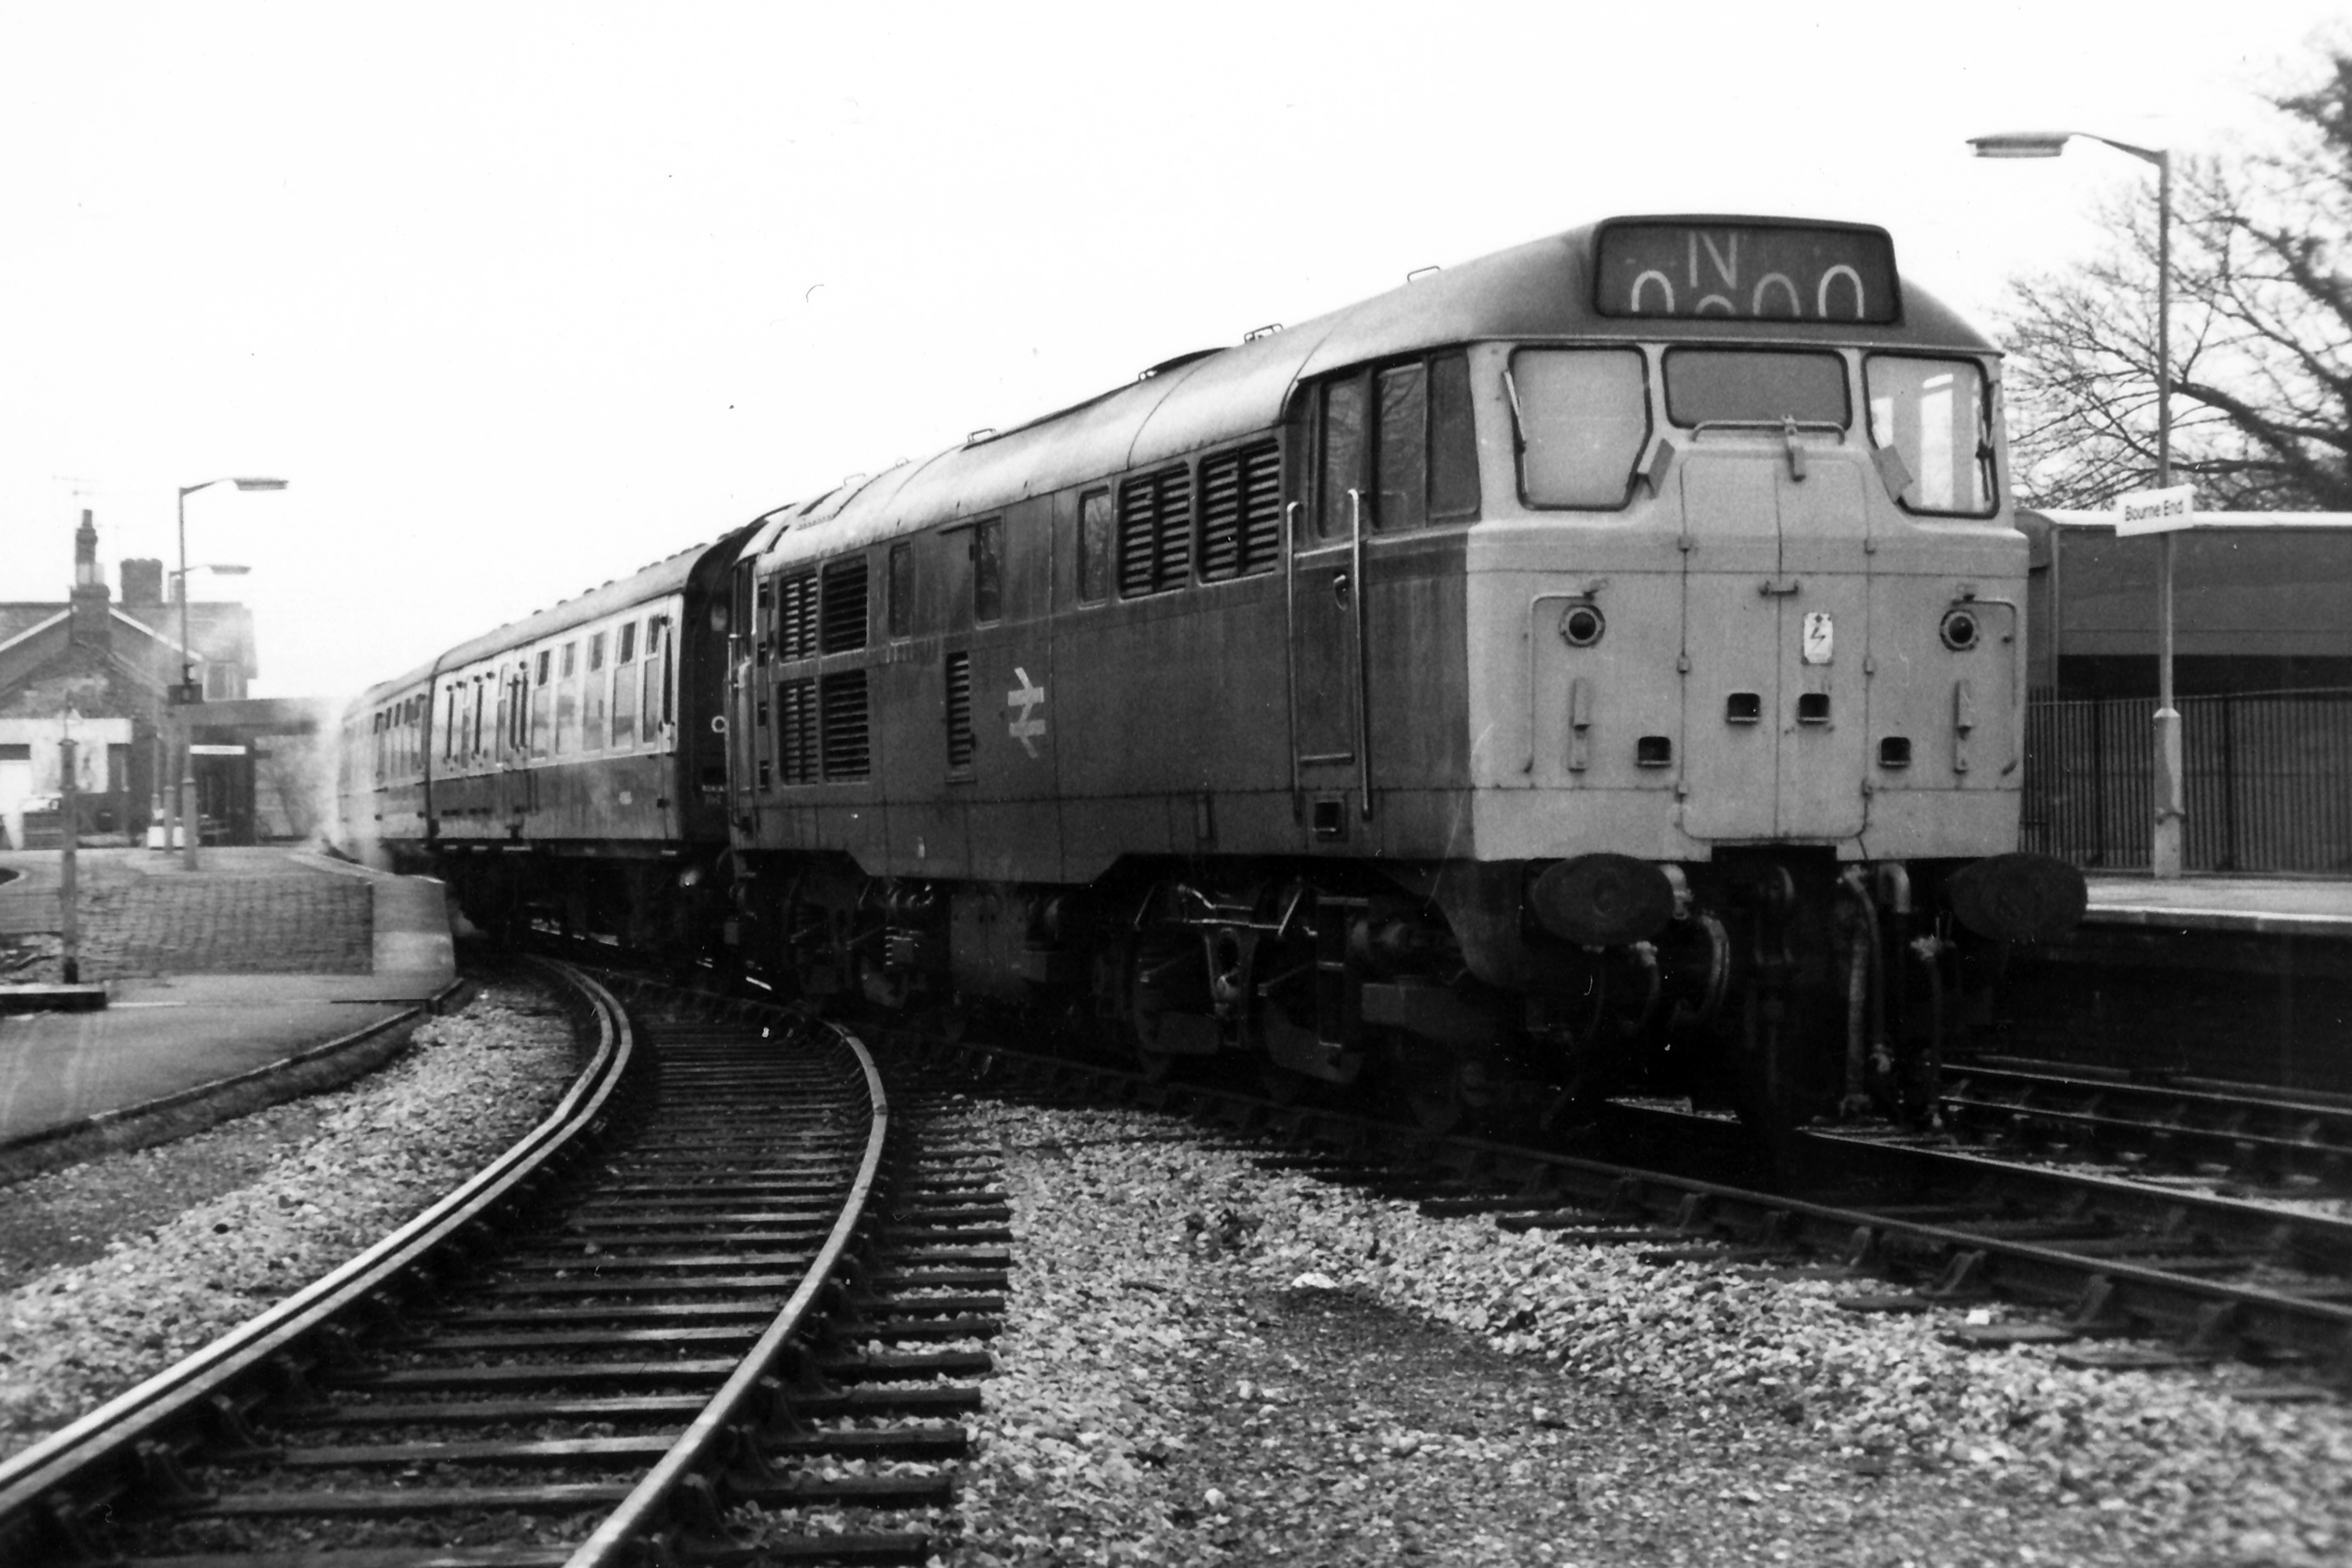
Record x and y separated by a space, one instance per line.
619 1538
105 1443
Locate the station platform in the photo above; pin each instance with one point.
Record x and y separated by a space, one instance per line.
261 960
2252 906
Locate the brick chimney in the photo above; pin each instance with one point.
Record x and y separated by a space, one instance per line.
92 624
142 583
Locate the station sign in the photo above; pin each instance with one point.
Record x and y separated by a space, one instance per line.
217 751
2155 512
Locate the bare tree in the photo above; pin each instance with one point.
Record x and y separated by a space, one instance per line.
2261 333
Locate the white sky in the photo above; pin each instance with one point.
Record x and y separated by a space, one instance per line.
521 298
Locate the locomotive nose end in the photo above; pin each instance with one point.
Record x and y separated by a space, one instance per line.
1603 900
2019 897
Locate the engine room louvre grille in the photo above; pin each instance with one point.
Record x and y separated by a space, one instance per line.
841 698
1155 533
1261 508
960 740
796 755
796 616
845 605
1240 511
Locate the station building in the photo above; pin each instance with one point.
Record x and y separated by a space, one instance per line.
105 673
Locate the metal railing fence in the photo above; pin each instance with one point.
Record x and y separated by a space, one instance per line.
2269 779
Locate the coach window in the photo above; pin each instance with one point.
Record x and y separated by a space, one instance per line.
624 686
901 589
988 570
1933 412
661 651
1094 546
543 704
1748 386
592 698
567 700
1583 417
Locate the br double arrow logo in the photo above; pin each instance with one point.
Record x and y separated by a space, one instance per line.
1025 726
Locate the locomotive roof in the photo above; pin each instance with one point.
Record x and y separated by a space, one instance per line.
1543 289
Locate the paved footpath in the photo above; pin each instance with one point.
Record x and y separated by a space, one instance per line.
258 955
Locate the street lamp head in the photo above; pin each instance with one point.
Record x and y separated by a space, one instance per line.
260 484
2022 143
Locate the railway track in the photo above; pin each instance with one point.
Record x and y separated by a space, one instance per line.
730 1298
2114 1273
2267 1137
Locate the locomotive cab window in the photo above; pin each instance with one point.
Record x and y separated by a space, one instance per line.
1753 386
1403 440
1583 420
1935 415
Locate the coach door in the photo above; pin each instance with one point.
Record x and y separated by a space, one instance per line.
750 622
1329 526
516 780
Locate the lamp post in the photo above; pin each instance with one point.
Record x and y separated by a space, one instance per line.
2172 795
183 694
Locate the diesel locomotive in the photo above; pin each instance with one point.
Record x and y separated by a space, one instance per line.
1597 665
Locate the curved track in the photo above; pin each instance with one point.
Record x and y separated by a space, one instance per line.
723 1298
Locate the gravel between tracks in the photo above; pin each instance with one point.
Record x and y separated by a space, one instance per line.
112 1269
1204 1362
